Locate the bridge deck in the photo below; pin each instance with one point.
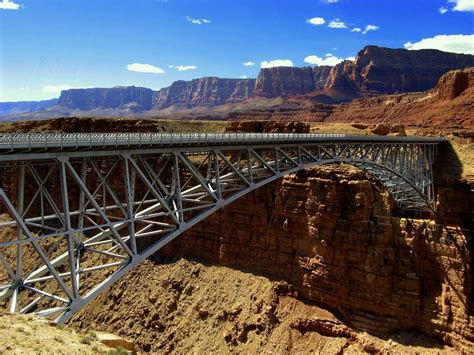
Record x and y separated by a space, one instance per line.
44 142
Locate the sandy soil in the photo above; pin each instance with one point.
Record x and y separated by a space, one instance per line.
189 307
25 334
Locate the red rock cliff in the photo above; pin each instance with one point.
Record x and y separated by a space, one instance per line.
209 91
386 71
279 81
89 99
332 234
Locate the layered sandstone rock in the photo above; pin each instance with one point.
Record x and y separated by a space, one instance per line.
448 105
454 83
136 98
280 81
387 71
208 91
331 233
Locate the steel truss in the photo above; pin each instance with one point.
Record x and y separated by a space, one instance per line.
76 221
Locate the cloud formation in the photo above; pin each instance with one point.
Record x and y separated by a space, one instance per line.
248 64
197 21
442 10
145 68
447 43
185 67
328 60
276 63
356 29
9 5
336 23
370 28
316 21
463 5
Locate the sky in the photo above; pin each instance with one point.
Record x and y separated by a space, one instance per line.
50 45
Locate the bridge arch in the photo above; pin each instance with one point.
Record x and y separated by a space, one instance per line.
92 203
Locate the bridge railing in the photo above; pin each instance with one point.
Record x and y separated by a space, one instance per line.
72 140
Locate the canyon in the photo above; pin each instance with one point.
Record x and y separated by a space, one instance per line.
374 71
320 260
447 106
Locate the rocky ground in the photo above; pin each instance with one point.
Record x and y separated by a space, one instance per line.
187 306
25 334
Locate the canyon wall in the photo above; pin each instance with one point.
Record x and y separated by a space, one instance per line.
281 81
375 70
331 233
11 108
381 70
137 98
208 91
448 105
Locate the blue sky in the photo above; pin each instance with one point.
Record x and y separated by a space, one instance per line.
47 45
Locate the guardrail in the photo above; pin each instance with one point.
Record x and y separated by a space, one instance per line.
96 140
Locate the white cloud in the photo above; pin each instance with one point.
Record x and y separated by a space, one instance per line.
197 21
447 43
145 68
276 63
9 5
56 89
356 29
336 23
463 5
171 66
24 88
243 77
351 58
316 21
328 55
248 64
330 1
370 28
442 10
185 67
329 60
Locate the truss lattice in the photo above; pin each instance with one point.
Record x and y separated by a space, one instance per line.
79 211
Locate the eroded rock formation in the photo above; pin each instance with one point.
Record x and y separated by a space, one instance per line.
386 71
135 98
331 233
448 105
11 108
208 91
280 81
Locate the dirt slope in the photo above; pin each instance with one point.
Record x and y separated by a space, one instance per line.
186 306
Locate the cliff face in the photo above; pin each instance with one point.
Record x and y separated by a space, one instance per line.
280 81
387 71
448 105
209 91
12 108
375 70
332 234
136 98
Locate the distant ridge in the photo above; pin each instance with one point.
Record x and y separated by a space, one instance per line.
13 108
374 71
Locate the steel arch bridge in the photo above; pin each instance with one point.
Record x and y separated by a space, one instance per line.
78 211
